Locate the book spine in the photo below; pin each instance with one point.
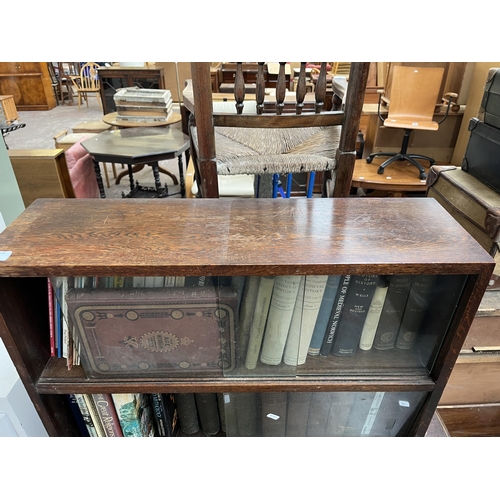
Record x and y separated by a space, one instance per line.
107 414
159 414
126 410
52 328
258 323
246 311
58 320
139 282
222 411
279 318
373 316
75 409
119 282
187 413
372 413
208 413
333 322
87 418
94 415
146 417
318 414
180 280
154 281
169 281
340 408
247 413
324 312
273 414
392 312
414 312
297 413
304 318
353 317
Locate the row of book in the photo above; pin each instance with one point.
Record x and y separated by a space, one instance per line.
125 415
148 106
287 318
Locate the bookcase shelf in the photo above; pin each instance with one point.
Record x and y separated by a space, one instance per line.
235 238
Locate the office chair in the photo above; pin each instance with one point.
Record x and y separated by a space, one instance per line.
414 95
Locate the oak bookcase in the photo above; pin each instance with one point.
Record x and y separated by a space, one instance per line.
230 237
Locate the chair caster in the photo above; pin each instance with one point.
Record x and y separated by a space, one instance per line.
422 176
380 171
369 159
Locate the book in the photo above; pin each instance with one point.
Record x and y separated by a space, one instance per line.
373 316
415 309
147 421
139 281
318 414
154 281
58 317
363 413
222 411
247 409
165 414
304 317
333 320
94 415
107 414
356 305
259 318
187 413
331 287
208 412
52 328
297 413
153 331
231 423
246 311
273 408
75 409
278 320
128 411
392 312
338 415
89 423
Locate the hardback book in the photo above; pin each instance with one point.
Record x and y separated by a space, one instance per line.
374 313
340 409
230 420
139 281
147 420
222 411
154 281
187 413
318 414
208 412
332 285
357 302
297 413
119 282
52 327
247 409
75 409
278 320
304 318
128 411
94 415
87 418
107 413
392 312
363 413
170 280
273 407
335 315
153 331
259 319
416 307
165 414
246 311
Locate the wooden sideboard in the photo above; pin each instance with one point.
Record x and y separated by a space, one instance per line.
117 77
29 83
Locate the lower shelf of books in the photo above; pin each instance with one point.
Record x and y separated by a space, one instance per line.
247 414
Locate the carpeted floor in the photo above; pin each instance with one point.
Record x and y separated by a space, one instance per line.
42 126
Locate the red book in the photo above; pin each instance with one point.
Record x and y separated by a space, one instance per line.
154 331
107 414
51 320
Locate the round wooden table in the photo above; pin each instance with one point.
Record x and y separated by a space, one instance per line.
398 178
110 119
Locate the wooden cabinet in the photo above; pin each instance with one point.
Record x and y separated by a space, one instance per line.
29 83
243 238
115 77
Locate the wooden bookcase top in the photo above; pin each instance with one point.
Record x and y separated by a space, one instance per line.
85 237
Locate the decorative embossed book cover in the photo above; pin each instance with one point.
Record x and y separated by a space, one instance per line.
154 331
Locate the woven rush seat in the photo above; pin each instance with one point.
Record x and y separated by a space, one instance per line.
260 151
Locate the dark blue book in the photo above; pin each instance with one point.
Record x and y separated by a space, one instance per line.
75 409
324 312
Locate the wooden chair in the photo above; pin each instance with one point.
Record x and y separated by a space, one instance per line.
414 93
87 83
270 144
